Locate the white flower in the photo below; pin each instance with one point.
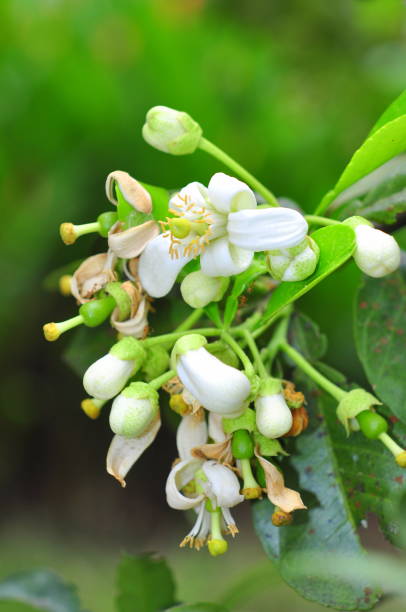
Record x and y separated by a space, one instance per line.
377 253
273 416
223 225
109 374
218 387
134 410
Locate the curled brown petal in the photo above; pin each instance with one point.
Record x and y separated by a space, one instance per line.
220 451
91 276
282 497
137 326
131 242
133 192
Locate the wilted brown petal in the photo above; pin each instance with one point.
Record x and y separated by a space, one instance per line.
220 451
133 192
282 497
131 242
92 275
137 326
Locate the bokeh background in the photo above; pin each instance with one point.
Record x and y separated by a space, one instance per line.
290 89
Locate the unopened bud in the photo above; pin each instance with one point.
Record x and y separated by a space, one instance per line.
171 131
377 253
295 263
273 415
134 410
198 290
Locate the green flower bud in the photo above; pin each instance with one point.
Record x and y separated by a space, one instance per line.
295 263
171 131
352 404
198 290
372 424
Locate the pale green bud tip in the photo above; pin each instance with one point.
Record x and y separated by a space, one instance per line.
68 233
127 349
270 386
198 290
401 459
355 221
217 547
191 342
171 131
141 390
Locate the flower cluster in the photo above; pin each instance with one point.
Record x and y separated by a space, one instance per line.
235 412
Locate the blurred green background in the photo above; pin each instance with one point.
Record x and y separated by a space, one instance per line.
290 88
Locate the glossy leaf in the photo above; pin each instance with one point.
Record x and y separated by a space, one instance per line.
387 139
306 337
41 589
160 201
144 584
380 335
241 283
336 243
200 607
328 526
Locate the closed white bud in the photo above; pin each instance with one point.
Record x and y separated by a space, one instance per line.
198 290
295 263
107 376
377 253
134 410
171 131
273 415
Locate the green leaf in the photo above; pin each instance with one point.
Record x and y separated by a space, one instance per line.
306 337
160 201
381 203
328 526
200 607
86 345
41 589
145 584
241 282
387 139
336 243
380 332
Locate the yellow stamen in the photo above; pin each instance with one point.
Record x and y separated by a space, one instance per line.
51 332
67 232
65 284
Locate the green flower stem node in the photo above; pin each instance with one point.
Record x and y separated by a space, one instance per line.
94 313
245 421
141 390
270 386
121 298
268 447
106 221
372 424
242 445
352 404
129 349
156 362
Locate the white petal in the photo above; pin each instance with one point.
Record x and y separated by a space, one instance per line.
124 452
228 194
182 473
267 228
220 258
157 269
224 484
192 431
273 416
192 194
217 386
131 242
216 431
107 376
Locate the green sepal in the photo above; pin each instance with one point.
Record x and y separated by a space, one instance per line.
269 386
156 362
268 447
352 404
355 221
106 221
121 298
141 390
128 349
189 342
242 445
94 313
225 354
245 421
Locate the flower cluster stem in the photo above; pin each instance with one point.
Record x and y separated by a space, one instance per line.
156 383
219 154
246 362
316 220
255 353
190 320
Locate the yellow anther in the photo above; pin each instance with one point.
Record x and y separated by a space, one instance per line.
178 405
68 233
51 331
65 284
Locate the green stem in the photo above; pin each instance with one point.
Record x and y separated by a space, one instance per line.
314 374
172 337
255 353
246 362
321 220
213 150
390 444
190 320
277 339
161 380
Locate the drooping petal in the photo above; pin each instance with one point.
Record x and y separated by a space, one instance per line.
157 270
217 386
224 484
131 242
133 192
267 228
192 431
228 194
219 451
282 497
221 258
124 452
179 476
